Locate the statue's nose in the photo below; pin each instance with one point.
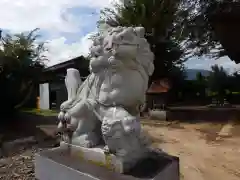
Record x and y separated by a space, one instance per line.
110 41
108 46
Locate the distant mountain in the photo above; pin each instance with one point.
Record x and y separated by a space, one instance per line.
191 73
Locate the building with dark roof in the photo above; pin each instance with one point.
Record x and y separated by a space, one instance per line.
57 72
52 90
157 94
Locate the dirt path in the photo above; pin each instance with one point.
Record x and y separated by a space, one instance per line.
206 151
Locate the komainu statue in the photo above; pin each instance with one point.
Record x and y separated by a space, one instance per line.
105 107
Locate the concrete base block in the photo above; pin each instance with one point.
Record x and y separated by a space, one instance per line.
97 156
158 114
60 164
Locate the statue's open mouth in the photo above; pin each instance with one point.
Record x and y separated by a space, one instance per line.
116 45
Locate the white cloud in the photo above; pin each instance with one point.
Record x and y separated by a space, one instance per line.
54 18
59 51
205 63
24 15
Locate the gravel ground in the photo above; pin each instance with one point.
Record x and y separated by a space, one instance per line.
19 166
18 149
19 163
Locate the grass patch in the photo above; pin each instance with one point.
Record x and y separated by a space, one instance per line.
40 112
236 93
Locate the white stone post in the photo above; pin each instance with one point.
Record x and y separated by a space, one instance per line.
44 96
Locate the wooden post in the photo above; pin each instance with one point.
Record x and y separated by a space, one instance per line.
38 103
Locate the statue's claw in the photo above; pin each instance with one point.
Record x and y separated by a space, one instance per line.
67 117
106 150
64 105
61 116
60 127
66 138
71 127
89 145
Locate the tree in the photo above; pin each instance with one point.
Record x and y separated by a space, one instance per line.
218 81
234 80
201 85
196 21
22 61
157 17
177 79
199 77
189 23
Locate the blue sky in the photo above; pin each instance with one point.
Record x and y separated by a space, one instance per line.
66 26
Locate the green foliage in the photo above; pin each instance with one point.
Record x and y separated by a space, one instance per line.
219 84
195 20
157 18
187 22
200 77
227 91
40 112
22 61
235 92
218 80
196 31
212 94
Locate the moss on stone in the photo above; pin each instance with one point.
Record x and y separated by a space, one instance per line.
108 161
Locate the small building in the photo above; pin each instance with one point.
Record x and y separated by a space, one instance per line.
157 94
52 90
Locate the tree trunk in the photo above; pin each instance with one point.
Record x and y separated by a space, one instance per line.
27 97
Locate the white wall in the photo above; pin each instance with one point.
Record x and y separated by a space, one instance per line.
44 96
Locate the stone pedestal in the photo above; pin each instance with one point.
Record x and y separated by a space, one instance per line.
98 157
61 164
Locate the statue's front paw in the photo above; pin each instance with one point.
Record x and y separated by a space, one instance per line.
106 149
71 127
61 116
66 138
64 105
115 63
67 117
89 144
86 144
60 126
